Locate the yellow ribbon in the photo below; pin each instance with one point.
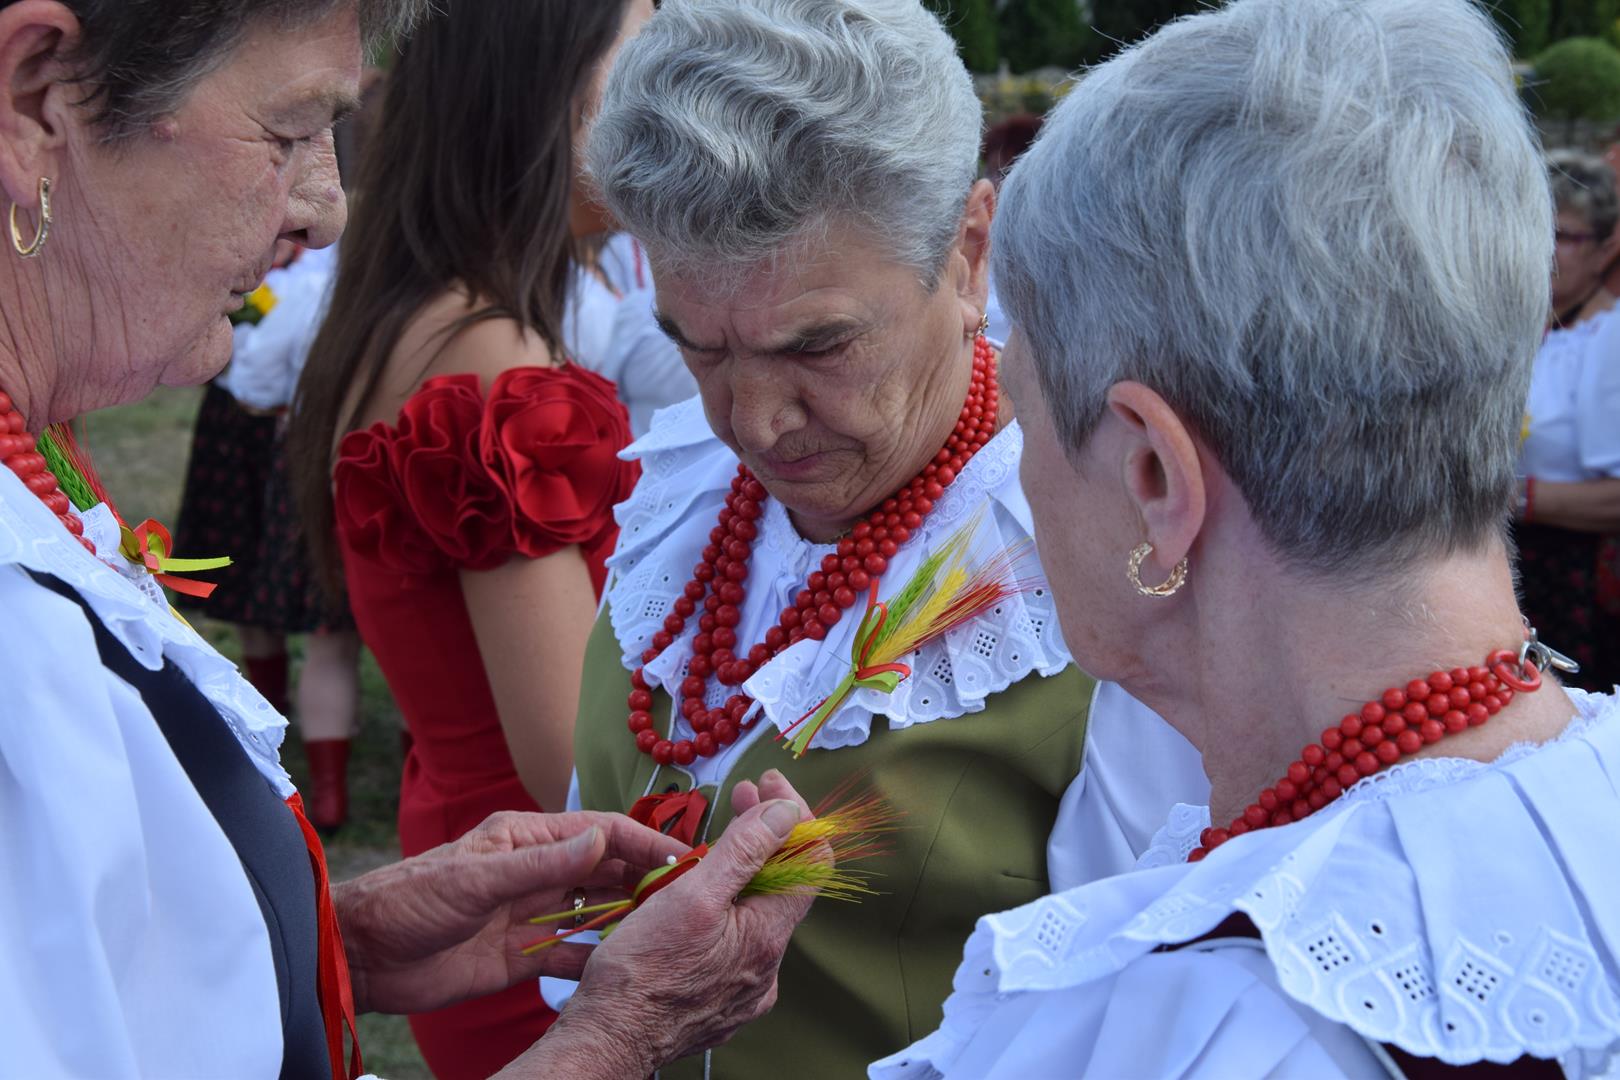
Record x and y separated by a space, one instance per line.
149 544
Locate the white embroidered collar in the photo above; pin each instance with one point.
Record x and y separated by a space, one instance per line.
686 473
1484 941
122 597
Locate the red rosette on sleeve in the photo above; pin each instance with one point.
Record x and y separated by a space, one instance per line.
442 482
469 482
550 441
369 514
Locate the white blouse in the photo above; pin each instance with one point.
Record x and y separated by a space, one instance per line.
133 944
1572 421
268 356
1458 910
611 328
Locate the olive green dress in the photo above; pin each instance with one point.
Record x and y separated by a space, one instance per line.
979 795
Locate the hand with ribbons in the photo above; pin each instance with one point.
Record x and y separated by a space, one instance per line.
690 966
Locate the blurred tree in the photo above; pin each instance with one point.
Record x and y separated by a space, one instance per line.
1581 18
973 24
1124 22
1044 33
1526 23
1578 79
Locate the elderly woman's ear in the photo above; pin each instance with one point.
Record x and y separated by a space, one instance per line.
969 266
35 97
1162 473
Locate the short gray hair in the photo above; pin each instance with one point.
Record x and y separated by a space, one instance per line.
1585 184
731 129
139 59
1321 230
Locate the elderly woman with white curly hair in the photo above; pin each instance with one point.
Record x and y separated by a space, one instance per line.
802 176
1407 864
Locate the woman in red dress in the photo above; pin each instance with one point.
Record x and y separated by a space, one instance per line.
460 470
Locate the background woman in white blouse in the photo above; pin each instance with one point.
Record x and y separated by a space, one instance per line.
1569 465
1278 517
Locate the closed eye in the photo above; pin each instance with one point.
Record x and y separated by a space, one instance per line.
289 143
814 350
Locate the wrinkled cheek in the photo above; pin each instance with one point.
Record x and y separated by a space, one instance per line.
716 397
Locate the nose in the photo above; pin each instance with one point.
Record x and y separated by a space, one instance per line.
763 406
316 207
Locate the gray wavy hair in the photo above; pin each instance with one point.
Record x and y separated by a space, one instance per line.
1585 184
1321 230
732 129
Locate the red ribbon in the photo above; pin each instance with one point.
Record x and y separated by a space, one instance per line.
677 813
160 561
336 992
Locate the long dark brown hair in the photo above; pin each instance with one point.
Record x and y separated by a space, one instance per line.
466 182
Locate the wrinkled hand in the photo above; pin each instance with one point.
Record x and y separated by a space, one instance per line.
449 924
694 963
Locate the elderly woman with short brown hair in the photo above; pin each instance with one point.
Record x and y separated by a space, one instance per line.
167 909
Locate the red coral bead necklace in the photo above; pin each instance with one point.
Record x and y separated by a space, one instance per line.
717 585
17 451
1395 725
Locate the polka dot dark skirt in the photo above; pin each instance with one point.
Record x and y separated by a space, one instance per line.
238 502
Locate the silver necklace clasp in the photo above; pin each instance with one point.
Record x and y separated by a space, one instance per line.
1542 655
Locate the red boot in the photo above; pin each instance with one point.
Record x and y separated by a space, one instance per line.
328 799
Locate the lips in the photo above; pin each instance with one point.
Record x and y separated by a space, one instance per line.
245 285
794 468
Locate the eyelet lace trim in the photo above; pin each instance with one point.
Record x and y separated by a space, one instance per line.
665 525
1340 902
31 537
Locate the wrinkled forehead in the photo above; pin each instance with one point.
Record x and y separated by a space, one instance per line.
838 277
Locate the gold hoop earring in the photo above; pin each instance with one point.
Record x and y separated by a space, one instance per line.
1170 586
984 323
29 250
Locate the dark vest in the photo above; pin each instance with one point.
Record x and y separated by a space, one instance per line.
259 826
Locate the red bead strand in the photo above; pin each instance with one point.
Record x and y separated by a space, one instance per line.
717 586
18 452
1395 725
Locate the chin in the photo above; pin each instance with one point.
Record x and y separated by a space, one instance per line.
206 357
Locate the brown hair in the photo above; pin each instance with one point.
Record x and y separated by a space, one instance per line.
466 183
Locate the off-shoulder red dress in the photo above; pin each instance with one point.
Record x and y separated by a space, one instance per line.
465 480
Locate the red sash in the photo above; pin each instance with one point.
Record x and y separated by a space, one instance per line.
336 993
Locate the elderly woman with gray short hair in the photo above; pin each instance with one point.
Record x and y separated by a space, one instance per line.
1569 458
802 176
1271 356
167 910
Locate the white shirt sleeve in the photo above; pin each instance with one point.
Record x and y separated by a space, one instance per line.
268 356
1136 768
132 942
645 363
1597 423
1572 431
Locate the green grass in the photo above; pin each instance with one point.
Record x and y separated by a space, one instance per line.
141 451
